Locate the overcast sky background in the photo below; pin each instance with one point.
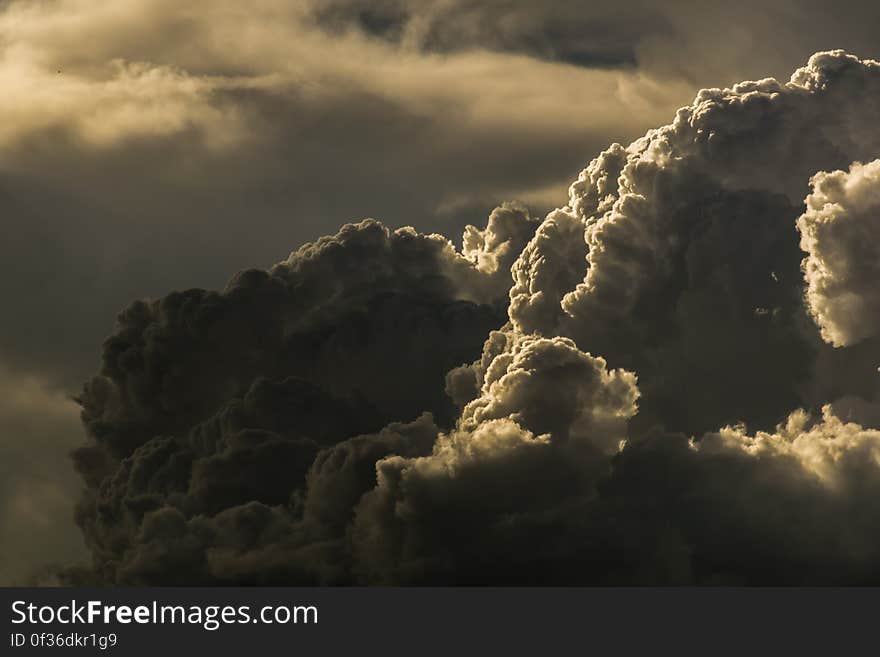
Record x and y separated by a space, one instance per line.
151 145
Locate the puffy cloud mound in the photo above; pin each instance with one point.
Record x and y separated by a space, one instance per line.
532 444
499 505
213 400
791 506
677 256
677 259
338 311
237 436
839 232
247 497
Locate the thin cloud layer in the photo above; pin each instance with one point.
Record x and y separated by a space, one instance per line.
40 427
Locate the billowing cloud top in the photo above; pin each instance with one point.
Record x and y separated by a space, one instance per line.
839 234
676 394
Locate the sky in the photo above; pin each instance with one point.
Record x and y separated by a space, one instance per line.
149 146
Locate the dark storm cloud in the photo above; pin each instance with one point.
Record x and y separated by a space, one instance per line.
336 311
195 413
149 145
688 274
792 506
249 506
689 242
153 146
547 417
788 507
676 259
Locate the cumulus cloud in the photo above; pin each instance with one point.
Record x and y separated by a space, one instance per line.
839 235
152 146
790 506
195 412
526 448
676 258
653 402
261 492
337 311
685 240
